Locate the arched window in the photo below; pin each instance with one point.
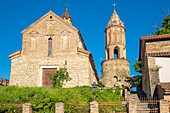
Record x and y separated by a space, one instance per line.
115 79
116 53
50 29
107 53
50 46
65 43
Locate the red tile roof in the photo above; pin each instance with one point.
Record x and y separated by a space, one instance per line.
66 15
165 85
155 37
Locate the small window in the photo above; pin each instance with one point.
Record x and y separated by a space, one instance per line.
115 79
51 17
116 53
50 46
107 53
65 62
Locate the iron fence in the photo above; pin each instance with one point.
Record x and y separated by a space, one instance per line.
113 107
148 105
10 108
81 107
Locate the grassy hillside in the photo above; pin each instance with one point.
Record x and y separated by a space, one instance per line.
45 98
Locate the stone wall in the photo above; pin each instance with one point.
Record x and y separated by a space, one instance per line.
167 97
157 46
115 71
164 106
153 75
26 72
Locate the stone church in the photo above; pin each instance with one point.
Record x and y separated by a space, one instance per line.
115 68
50 43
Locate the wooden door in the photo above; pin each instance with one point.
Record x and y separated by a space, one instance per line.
46 81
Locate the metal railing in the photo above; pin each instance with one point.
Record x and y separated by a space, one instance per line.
109 107
148 105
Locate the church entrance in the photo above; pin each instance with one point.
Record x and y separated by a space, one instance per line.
46 81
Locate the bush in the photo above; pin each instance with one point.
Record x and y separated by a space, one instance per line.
60 77
117 91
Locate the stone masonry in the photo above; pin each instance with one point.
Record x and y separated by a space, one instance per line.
52 42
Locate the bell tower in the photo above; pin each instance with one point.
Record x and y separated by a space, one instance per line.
115 67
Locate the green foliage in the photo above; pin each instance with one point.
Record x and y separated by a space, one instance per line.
107 96
60 77
117 91
101 84
135 80
165 29
10 109
138 81
43 99
137 66
109 108
158 68
45 105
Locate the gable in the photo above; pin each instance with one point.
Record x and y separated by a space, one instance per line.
64 35
52 17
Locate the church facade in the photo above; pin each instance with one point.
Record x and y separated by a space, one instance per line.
52 42
115 68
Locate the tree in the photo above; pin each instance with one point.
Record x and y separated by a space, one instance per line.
136 80
137 66
165 29
60 77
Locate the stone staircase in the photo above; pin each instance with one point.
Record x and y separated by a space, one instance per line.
141 104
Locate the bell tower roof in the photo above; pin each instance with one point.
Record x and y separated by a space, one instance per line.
66 15
114 20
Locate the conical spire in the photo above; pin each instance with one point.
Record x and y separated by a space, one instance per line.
115 20
66 15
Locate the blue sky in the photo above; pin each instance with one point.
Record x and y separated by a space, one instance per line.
89 16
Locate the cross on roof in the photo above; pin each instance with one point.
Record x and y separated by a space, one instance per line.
66 6
114 5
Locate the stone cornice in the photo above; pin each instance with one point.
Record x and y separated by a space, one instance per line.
83 51
15 54
159 54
